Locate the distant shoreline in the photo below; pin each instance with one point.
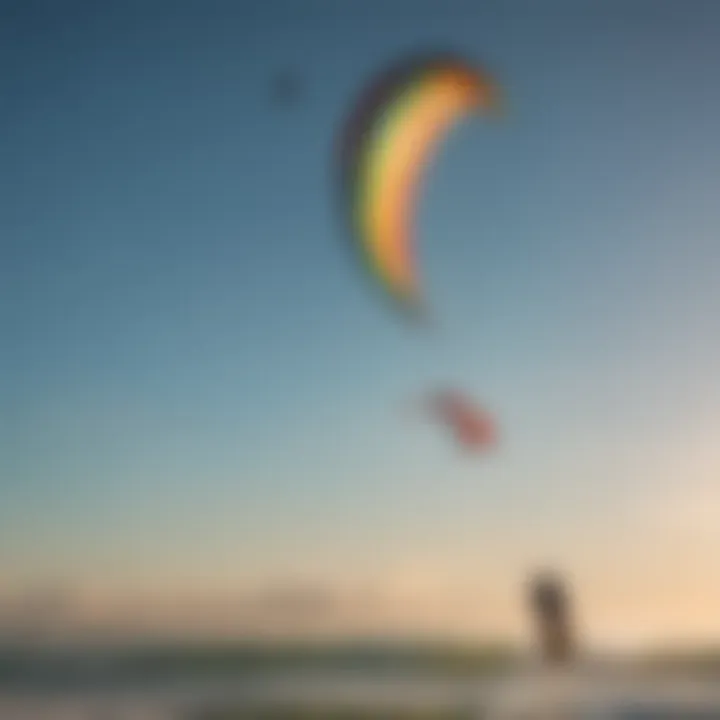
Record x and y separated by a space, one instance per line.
197 660
163 662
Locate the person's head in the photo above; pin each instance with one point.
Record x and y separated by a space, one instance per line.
548 595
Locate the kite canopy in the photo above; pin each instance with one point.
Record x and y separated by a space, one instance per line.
389 138
473 428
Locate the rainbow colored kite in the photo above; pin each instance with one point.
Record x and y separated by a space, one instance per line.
389 139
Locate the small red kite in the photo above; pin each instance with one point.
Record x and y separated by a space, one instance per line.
474 429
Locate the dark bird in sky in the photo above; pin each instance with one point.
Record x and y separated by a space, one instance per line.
286 88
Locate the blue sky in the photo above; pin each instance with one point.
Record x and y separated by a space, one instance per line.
197 383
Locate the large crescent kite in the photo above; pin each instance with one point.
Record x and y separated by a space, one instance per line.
389 138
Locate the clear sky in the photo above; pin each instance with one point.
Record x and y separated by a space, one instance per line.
199 390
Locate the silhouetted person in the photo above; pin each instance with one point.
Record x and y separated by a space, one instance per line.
550 606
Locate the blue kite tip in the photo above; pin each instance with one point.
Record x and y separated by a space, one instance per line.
420 314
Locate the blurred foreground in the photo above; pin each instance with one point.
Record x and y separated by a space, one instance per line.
420 681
